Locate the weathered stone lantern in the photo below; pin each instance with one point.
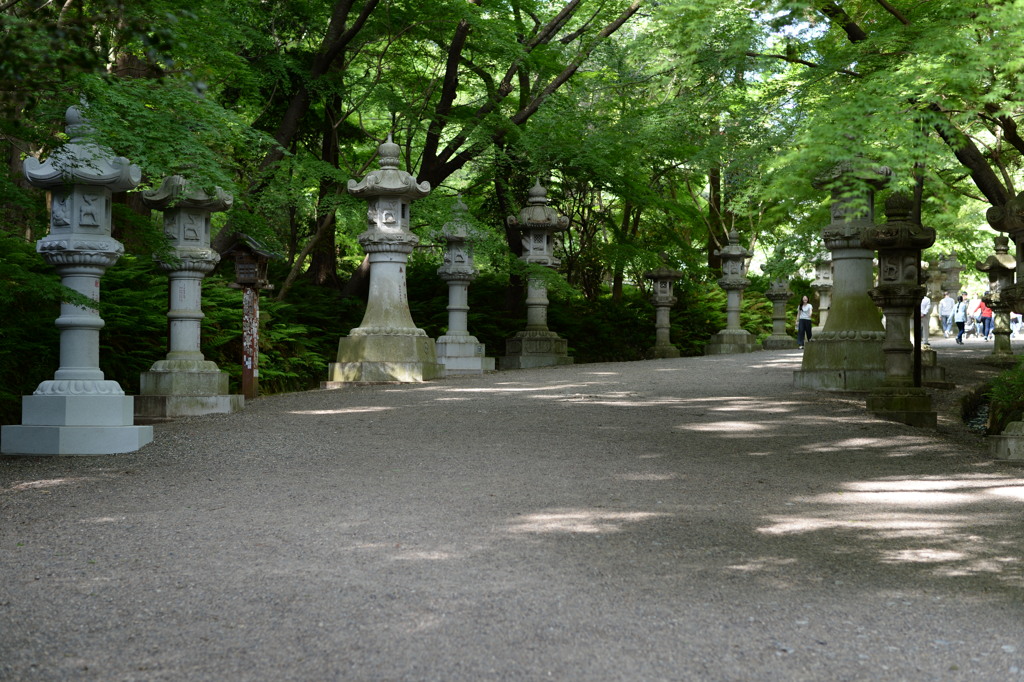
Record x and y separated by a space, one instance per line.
822 285
79 412
1009 218
933 288
251 262
537 346
185 383
663 297
779 294
899 242
387 346
1000 268
732 339
458 351
846 354
950 268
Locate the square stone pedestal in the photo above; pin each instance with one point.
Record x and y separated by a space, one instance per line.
75 425
383 358
462 357
842 361
1008 446
531 349
906 405
172 394
729 341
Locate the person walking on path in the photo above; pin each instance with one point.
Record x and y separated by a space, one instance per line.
803 322
985 314
926 309
960 317
946 307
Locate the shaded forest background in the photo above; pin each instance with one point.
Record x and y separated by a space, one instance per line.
657 127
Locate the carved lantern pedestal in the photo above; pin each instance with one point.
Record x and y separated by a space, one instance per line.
1000 268
732 339
386 346
1009 446
663 298
778 293
458 351
185 383
79 412
537 346
822 285
899 242
846 355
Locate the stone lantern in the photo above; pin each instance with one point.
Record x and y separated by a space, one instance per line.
79 412
899 242
458 351
663 298
950 268
732 339
185 383
779 294
537 346
822 285
846 354
386 346
1000 268
1009 218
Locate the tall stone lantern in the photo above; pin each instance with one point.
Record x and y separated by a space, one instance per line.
732 339
846 354
79 412
386 346
537 346
185 383
779 294
950 268
899 242
663 297
822 285
459 351
1000 267
1009 218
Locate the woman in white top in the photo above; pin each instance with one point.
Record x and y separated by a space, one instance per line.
803 321
959 317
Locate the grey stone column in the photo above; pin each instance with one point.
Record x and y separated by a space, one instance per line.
79 412
386 346
732 339
899 242
458 351
1000 267
779 294
847 353
537 346
663 298
185 383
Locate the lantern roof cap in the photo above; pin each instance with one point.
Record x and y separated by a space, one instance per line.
243 243
389 180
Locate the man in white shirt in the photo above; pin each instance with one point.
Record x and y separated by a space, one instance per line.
946 307
926 309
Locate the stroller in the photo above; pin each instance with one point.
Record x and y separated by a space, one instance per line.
971 327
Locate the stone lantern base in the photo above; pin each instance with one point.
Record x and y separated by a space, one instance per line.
173 389
462 355
529 349
659 352
384 358
842 361
908 405
729 341
779 342
75 425
1008 446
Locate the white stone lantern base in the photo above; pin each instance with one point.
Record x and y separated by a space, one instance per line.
75 425
460 355
1009 445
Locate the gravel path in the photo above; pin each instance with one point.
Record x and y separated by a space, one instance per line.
690 519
